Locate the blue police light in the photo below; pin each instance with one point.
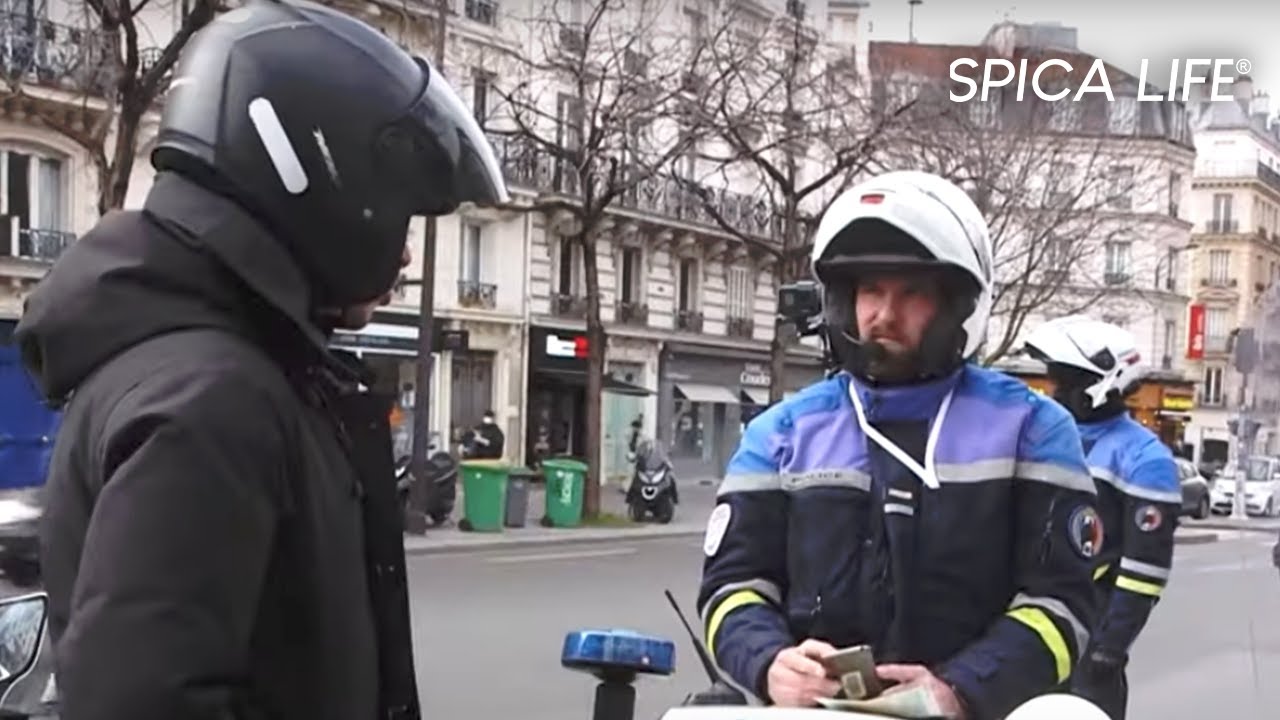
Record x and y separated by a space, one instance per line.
611 651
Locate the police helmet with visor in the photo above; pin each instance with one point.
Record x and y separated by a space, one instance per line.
329 133
1094 365
906 221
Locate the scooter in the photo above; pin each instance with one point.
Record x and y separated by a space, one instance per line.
436 497
653 486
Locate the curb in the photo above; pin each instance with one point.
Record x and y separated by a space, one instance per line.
1236 528
1199 538
572 537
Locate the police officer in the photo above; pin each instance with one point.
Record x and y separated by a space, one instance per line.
1094 366
915 502
221 537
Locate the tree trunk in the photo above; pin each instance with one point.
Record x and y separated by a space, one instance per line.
785 273
596 342
113 178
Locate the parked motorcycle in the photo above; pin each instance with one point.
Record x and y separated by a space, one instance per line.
653 485
438 494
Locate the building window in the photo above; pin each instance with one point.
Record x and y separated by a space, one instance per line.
1117 268
1211 391
632 273
1170 334
688 281
1175 193
1216 331
1222 221
481 89
569 268
470 251
1219 267
1120 195
33 217
741 299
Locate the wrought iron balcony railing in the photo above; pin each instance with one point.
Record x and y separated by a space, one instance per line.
37 244
472 294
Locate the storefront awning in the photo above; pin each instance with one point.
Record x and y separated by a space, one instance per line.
757 396
695 392
611 384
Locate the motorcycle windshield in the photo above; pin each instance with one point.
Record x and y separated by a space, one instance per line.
654 459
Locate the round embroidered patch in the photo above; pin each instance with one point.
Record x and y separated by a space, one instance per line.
1085 530
1148 518
717 526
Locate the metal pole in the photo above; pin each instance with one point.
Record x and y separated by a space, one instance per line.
911 24
1245 450
426 330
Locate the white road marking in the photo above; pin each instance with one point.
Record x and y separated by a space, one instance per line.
569 555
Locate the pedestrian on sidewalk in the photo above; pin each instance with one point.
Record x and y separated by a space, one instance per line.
915 502
221 536
1094 366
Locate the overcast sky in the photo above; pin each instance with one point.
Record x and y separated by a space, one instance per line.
1122 32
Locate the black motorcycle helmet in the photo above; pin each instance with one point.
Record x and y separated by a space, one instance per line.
329 133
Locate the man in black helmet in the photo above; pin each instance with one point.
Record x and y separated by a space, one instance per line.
220 537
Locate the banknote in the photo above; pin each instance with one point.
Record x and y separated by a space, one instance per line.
914 704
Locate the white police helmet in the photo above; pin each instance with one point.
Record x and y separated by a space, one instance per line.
1057 706
938 215
1099 348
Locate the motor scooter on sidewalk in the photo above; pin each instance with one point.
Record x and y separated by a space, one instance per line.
653 485
433 499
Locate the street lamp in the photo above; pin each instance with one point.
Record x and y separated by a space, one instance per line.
911 23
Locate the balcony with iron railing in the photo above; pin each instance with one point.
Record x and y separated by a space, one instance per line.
568 306
689 321
630 312
484 12
1116 277
1237 169
473 294
37 244
1222 226
740 327
664 195
42 52
1219 282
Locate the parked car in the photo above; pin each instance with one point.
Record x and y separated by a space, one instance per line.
1262 488
1195 490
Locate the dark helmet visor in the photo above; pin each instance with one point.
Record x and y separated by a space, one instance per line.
477 177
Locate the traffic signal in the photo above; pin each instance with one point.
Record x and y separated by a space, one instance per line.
1244 349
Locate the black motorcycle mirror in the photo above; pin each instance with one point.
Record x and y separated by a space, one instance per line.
22 624
720 692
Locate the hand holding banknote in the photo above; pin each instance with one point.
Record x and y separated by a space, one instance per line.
917 678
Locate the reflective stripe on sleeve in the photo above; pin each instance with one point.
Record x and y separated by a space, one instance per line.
1173 497
1097 574
1038 620
1055 475
1154 572
1059 610
741 598
1139 586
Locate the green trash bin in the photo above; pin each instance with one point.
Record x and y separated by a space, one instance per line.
484 495
566 480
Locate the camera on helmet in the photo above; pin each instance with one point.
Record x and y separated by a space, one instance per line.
800 303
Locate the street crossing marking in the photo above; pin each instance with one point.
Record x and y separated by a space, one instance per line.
568 555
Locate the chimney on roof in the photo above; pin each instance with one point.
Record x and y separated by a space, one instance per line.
1242 91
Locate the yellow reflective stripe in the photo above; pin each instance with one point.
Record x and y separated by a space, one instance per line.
1038 620
1101 571
1138 586
731 603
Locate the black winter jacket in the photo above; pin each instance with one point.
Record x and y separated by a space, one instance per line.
211 543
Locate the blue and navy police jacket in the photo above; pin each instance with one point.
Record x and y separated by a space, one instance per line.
1139 498
820 533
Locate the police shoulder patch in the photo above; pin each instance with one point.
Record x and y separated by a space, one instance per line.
717 526
1084 528
1148 518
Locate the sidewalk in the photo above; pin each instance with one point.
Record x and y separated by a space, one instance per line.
1270 526
697 498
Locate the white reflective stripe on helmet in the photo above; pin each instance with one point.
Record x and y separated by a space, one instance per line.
937 214
1074 340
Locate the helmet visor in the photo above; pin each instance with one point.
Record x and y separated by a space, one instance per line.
476 176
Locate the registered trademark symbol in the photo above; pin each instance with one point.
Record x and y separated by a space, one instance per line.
1244 66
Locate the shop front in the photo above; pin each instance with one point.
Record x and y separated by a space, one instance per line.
556 402
389 347
706 395
1162 403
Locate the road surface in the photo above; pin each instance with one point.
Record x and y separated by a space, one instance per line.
488 628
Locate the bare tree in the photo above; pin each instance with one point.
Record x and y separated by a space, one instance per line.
95 78
591 108
786 122
1067 205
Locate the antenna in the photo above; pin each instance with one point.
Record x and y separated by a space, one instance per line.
720 692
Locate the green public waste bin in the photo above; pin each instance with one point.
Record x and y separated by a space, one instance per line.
484 495
566 480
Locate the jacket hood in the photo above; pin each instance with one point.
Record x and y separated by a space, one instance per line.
190 259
